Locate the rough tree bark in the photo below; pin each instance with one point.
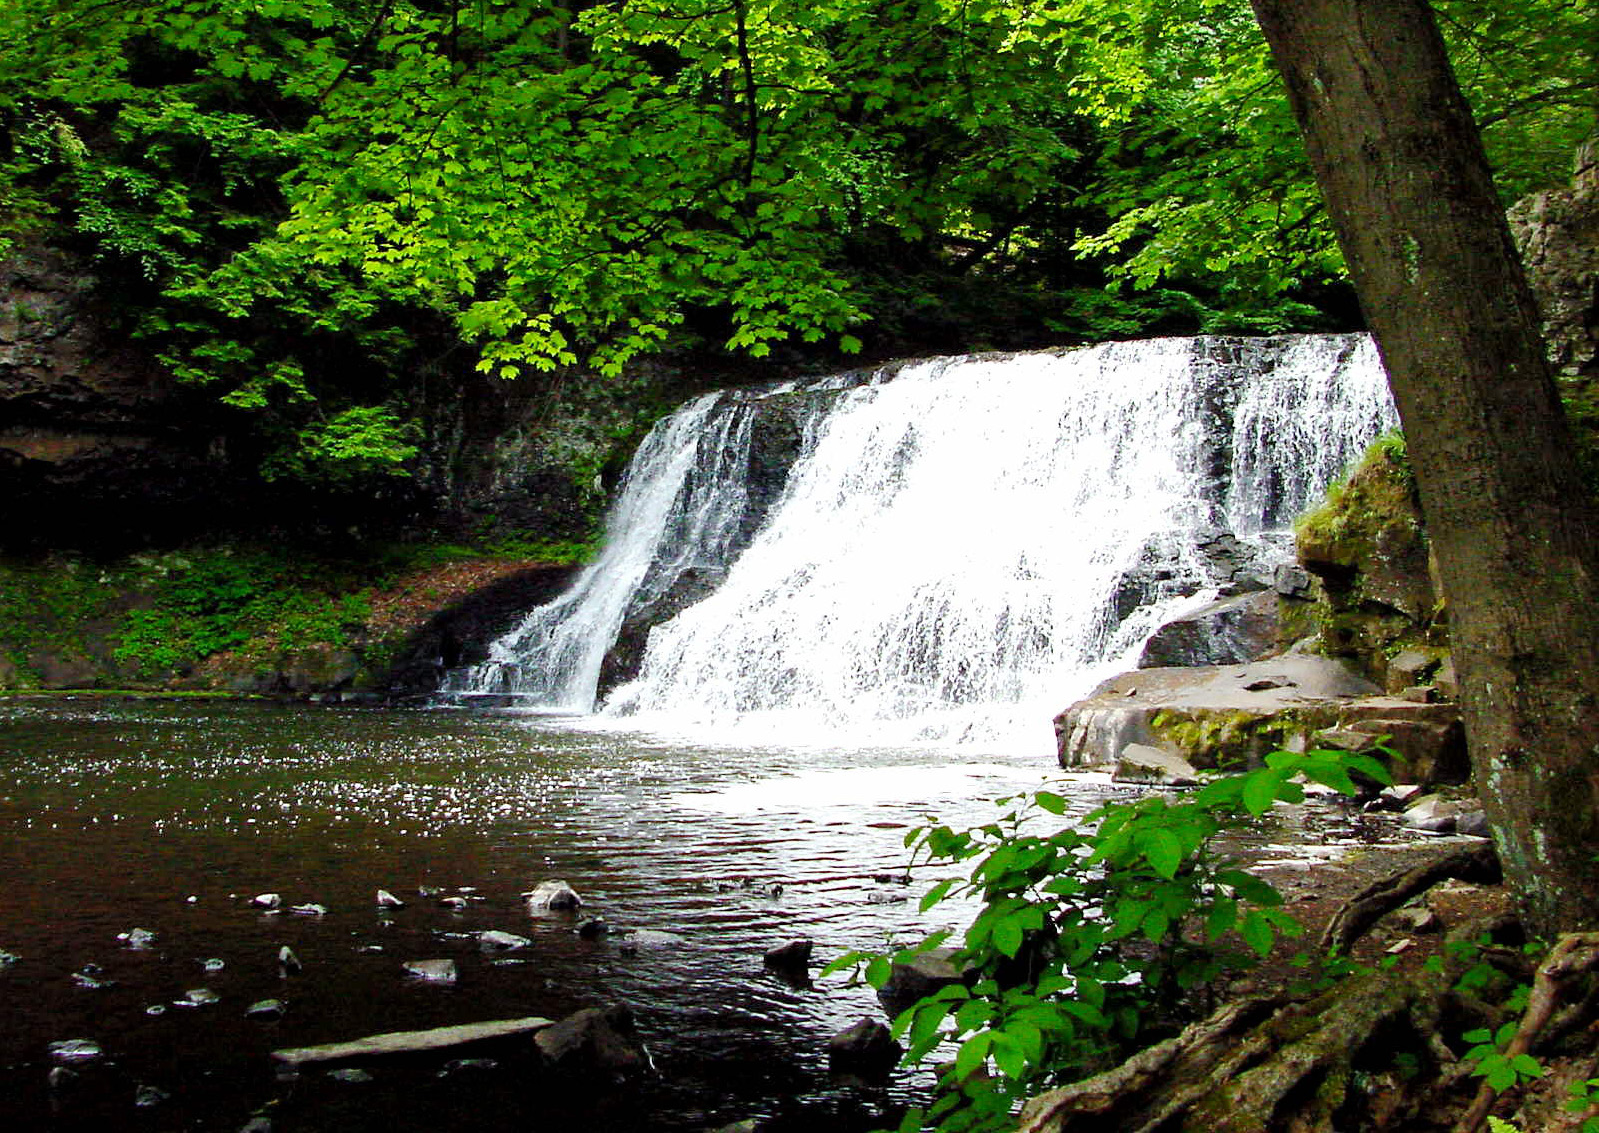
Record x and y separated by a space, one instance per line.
1401 167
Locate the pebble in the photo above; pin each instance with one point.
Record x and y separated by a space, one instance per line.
75 1050
457 1065
266 1009
387 900
266 900
288 963
197 997
309 910
150 1096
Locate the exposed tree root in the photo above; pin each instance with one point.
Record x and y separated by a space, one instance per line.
1576 955
1367 1055
1478 864
1268 1064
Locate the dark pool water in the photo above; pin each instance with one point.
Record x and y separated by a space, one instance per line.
169 816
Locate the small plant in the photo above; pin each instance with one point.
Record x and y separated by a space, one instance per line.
1088 932
1498 1068
1584 1099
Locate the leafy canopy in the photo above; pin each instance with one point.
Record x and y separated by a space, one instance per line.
299 203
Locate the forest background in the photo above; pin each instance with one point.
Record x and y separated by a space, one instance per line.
329 225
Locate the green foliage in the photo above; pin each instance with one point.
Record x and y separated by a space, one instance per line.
1089 932
211 602
1583 1097
298 203
43 608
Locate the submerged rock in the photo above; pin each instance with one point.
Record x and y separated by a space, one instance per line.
595 1040
867 1048
793 958
213 964
557 895
350 1074
266 900
197 997
148 1096
309 910
467 1065
137 938
288 963
90 977
433 971
593 929
494 938
8 958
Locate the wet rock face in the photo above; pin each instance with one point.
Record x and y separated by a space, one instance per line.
461 633
1557 232
1226 632
776 440
97 442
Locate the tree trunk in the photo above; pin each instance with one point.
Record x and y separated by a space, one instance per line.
1401 166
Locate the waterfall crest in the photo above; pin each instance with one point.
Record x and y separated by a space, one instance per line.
957 549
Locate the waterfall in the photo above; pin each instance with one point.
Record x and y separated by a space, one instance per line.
957 548
677 511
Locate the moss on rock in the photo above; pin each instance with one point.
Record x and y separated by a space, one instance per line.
1366 548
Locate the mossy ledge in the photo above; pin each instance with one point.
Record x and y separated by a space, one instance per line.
240 620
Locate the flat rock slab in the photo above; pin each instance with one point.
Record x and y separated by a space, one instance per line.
1212 715
412 1042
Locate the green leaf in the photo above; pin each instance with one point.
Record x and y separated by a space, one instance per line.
1051 802
1008 936
1527 1066
1257 933
1260 791
1008 1056
1162 850
973 1052
937 893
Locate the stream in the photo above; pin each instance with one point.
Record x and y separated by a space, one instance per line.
170 815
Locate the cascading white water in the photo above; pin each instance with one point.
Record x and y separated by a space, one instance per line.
962 549
680 502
